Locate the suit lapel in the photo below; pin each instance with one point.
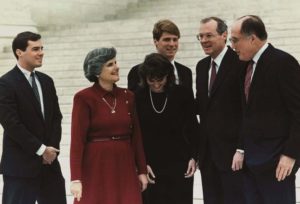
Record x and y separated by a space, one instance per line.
258 77
224 68
205 76
25 88
242 87
182 76
202 83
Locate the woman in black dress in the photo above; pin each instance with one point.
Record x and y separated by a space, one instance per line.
168 123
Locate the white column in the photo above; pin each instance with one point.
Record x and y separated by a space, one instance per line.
15 17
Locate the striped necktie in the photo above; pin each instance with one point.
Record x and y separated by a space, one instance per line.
35 88
247 81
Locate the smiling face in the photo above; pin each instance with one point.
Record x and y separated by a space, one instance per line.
211 41
157 85
167 45
33 55
110 72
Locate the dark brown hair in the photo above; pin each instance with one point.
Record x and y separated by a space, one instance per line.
21 41
156 66
162 26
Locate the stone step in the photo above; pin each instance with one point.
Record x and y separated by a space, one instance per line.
143 27
66 46
170 9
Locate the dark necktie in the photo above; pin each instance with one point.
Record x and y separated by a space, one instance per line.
248 76
34 87
213 75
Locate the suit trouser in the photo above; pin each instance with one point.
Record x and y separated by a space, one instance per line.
219 186
46 188
263 188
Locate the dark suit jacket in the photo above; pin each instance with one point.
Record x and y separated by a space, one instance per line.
184 74
25 129
271 122
220 114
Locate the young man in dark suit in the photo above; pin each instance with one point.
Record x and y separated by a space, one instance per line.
218 101
31 118
270 128
166 39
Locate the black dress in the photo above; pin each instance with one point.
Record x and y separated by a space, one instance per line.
169 141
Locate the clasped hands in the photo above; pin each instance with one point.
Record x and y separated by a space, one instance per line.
49 155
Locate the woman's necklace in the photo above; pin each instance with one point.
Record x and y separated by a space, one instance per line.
165 104
113 107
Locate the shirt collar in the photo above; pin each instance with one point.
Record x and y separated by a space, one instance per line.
173 62
104 92
25 71
259 53
220 57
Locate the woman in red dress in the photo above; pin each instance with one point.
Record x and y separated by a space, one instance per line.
107 157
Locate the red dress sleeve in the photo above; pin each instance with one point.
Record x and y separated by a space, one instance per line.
79 128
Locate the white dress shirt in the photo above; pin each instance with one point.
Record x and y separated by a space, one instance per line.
29 79
175 72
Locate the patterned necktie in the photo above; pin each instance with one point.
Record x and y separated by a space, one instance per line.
248 76
213 75
35 88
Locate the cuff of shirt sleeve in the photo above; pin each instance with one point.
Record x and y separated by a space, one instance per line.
240 151
41 150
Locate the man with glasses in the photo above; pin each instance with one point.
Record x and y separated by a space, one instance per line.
270 129
219 105
166 39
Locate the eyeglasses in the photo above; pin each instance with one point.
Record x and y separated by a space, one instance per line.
207 36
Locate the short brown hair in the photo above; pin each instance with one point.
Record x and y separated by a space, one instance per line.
164 25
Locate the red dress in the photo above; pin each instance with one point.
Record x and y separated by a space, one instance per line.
108 170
